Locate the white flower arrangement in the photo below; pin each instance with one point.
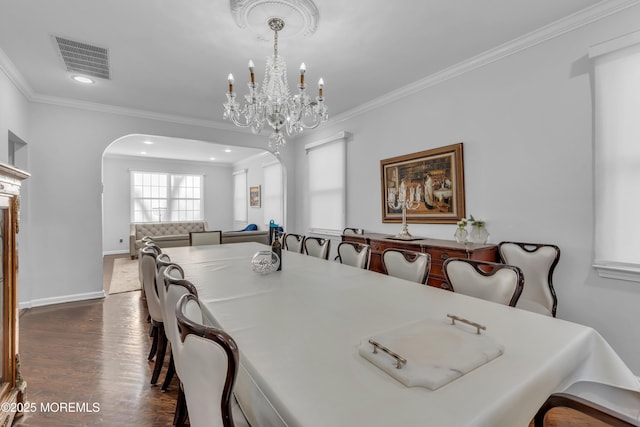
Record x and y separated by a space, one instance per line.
462 224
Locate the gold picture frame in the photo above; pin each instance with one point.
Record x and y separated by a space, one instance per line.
433 180
254 196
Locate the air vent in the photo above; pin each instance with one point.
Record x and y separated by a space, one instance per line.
84 58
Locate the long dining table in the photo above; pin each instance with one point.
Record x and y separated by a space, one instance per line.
298 331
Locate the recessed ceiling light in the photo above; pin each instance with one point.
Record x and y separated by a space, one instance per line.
228 150
143 152
147 142
212 158
83 79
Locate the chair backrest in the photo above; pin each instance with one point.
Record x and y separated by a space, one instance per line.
408 265
210 358
351 230
148 269
162 262
174 287
293 242
209 237
317 247
490 281
537 262
154 247
614 406
354 254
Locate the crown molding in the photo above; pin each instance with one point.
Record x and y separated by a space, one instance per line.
12 73
562 26
130 112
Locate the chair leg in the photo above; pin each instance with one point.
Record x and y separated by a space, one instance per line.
171 370
154 344
162 349
180 416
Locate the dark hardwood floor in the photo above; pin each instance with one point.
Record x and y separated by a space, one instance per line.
95 352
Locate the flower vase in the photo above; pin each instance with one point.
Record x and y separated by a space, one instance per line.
479 234
460 235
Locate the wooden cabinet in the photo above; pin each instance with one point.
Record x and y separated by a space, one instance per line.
439 250
11 384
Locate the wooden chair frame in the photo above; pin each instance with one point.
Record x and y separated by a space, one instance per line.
410 256
486 268
531 248
299 239
321 242
358 247
221 338
584 406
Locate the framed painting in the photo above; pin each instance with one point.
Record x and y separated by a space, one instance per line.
430 183
254 196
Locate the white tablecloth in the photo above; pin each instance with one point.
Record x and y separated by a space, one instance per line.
298 331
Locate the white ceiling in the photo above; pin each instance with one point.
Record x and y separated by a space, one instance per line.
172 57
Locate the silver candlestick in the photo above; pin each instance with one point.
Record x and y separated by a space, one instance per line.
403 203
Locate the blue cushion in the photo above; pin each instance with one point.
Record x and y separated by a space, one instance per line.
250 227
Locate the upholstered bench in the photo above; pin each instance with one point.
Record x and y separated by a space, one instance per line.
165 234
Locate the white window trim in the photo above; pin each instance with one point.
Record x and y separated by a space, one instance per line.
605 268
344 136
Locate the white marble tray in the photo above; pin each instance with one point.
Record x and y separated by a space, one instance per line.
436 352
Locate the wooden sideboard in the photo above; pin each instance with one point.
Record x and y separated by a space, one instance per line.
439 250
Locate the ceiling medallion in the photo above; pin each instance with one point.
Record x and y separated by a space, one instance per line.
301 16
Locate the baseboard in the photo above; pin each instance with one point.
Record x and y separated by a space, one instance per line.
115 252
60 300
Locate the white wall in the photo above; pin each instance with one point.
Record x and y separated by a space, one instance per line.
526 125
217 186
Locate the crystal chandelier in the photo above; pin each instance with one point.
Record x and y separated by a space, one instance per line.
274 104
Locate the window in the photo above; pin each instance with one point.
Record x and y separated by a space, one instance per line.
165 197
327 182
617 157
240 196
272 193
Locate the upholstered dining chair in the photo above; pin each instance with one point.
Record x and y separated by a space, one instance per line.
174 286
159 343
149 243
163 263
612 405
408 265
293 242
317 247
211 362
354 254
209 237
537 262
490 281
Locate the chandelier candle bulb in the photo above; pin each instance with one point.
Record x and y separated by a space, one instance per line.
230 83
303 68
251 67
320 86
